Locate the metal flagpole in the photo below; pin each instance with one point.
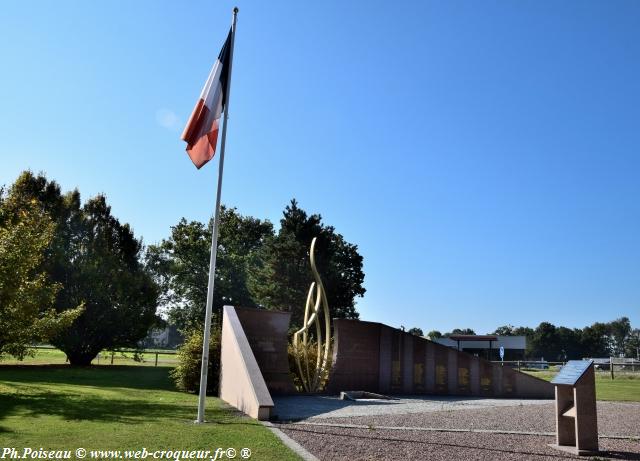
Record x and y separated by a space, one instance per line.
214 239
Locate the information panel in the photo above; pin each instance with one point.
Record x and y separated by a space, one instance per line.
571 372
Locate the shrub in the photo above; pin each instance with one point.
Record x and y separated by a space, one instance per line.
312 354
187 373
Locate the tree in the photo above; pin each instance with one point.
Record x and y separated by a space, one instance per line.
26 295
416 331
458 331
434 334
544 342
619 330
561 343
505 330
569 345
594 340
282 276
180 265
95 260
633 344
523 331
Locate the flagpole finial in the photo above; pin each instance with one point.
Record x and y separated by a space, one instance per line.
235 10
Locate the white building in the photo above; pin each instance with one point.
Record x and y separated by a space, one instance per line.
487 346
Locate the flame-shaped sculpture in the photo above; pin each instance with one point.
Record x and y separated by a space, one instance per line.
316 297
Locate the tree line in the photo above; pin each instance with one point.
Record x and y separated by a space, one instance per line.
73 275
616 338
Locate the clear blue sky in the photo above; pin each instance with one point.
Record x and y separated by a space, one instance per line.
483 155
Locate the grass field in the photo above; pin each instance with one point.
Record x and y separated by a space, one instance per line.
54 356
625 387
119 408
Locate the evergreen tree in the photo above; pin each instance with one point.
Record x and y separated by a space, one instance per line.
283 274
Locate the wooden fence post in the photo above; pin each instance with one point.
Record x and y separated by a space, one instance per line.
611 366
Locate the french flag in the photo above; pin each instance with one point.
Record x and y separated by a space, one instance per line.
201 132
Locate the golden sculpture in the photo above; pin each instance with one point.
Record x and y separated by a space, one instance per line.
316 297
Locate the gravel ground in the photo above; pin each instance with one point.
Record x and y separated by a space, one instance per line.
328 443
336 443
613 419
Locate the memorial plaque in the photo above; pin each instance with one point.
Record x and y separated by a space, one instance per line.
571 372
508 381
464 381
419 350
486 386
430 367
441 370
396 361
358 344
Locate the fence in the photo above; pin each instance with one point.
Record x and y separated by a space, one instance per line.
611 365
155 357
139 356
531 364
616 365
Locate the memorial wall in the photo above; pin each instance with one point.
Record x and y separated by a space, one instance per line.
373 357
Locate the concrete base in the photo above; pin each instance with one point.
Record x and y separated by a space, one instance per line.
573 450
359 395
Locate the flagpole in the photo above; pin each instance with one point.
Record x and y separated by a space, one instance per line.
214 240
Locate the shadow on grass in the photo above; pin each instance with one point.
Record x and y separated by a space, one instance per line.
72 407
89 408
36 391
135 377
103 394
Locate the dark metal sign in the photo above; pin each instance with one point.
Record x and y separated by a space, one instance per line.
571 372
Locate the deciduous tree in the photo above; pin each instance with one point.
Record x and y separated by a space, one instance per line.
434 334
180 265
26 294
95 261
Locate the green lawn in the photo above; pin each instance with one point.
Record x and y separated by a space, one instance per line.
119 408
625 386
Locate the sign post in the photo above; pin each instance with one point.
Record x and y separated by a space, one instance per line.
576 417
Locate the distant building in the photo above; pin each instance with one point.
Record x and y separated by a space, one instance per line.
159 338
487 346
165 338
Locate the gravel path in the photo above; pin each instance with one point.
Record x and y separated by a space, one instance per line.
375 442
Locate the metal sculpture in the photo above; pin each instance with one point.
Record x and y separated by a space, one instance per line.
311 381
